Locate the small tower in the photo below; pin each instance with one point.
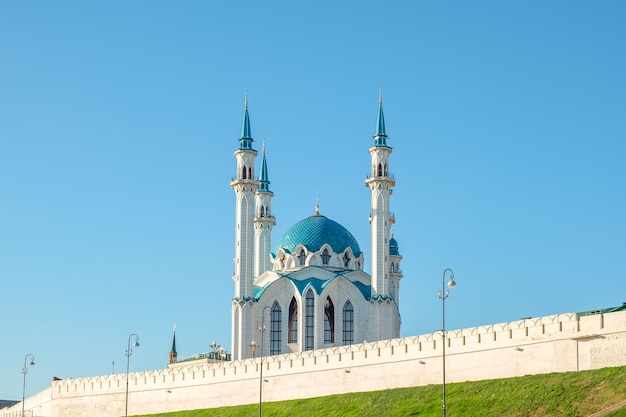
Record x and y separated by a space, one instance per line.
245 187
263 222
381 184
173 355
395 272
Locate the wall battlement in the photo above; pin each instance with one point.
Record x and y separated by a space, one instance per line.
558 343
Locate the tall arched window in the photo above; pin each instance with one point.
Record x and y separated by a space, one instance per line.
302 257
325 257
309 324
243 172
329 321
250 173
380 170
262 211
292 336
348 323
275 329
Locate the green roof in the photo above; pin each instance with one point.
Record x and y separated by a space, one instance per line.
602 310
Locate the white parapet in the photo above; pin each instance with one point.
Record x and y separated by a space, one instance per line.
559 343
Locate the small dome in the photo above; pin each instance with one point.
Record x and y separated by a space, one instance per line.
393 247
313 232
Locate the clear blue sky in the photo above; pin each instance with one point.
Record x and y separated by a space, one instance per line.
118 122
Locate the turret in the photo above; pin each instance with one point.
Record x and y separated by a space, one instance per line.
245 187
381 186
173 354
385 319
263 222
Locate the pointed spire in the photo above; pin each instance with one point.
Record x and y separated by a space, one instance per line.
246 133
263 178
174 341
173 356
380 136
317 204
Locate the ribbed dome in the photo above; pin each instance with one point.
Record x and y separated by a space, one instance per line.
315 231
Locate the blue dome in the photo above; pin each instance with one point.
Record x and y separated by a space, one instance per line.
315 231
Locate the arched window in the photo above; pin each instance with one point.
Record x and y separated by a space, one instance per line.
243 172
329 321
302 257
393 268
380 170
250 172
275 329
348 323
262 211
386 170
292 336
346 260
309 325
325 257
282 261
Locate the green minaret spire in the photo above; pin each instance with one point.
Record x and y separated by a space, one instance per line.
263 178
174 341
380 138
245 142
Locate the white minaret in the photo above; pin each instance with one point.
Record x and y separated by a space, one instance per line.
263 222
245 187
381 185
384 322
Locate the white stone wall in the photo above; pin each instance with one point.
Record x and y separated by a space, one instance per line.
559 343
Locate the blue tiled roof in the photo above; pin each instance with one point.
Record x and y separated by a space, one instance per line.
315 231
317 284
393 247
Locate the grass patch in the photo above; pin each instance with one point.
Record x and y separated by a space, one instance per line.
571 394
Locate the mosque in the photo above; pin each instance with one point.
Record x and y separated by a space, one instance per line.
333 328
311 292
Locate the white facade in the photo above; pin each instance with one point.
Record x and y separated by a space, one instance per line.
559 343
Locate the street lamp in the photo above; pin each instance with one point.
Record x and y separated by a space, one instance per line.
25 371
129 352
215 347
443 294
262 330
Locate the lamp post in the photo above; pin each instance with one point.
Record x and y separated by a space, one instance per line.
253 348
25 371
262 330
443 294
215 348
129 352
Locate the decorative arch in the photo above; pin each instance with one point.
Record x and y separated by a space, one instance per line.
292 335
329 321
275 326
309 320
348 323
325 257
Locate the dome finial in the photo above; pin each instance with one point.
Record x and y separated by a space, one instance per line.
246 101
317 204
380 97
